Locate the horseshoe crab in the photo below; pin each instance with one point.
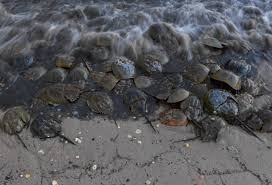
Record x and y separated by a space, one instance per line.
60 93
64 61
162 85
197 72
211 42
150 64
106 80
79 73
136 100
101 103
239 67
100 53
123 68
35 73
221 102
14 120
45 126
142 82
56 75
173 117
210 128
192 108
228 77
178 95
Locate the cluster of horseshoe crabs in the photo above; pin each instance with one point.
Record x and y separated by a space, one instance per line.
208 81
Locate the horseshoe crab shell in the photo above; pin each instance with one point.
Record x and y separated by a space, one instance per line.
211 42
162 85
64 61
101 103
105 80
197 72
35 73
222 102
14 120
173 117
228 77
59 94
136 100
178 95
56 75
45 126
123 68
79 73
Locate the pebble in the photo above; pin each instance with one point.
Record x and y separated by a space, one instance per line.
77 156
147 182
78 140
130 136
27 176
139 142
187 145
54 182
41 152
94 167
138 131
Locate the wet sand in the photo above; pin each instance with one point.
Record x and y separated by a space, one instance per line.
132 153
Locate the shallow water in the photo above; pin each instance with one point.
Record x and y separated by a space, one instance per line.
39 30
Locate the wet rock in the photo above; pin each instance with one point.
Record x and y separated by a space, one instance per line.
211 127
55 75
228 77
101 103
239 67
123 68
178 95
92 12
45 126
106 80
192 108
142 82
14 120
136 100
79 73
222 102
197 72
35 73
64 61
173 117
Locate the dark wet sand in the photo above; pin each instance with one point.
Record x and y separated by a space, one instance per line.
109 155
